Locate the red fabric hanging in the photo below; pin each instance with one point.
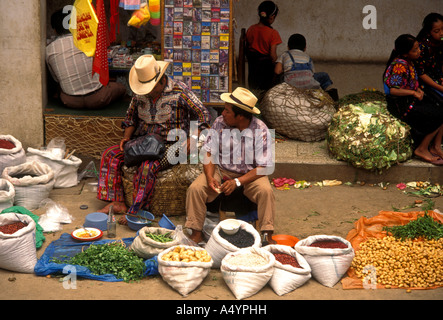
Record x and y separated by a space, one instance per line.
100 64
114 20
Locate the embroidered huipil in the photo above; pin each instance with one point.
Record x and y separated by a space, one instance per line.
401 75
174 109
430 61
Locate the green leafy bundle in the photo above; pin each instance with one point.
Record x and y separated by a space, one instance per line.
111 258
367 136
423 227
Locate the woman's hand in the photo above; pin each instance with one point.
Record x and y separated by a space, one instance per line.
418 94
122 143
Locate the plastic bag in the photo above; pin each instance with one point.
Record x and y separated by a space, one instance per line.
17 251
287 278
218 247
245 281
90 171
140 17
328 265
183 276
83 26
148 147
56 215
146 248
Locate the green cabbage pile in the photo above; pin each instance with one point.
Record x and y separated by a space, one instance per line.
367 136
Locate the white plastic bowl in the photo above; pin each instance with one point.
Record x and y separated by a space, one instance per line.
230 226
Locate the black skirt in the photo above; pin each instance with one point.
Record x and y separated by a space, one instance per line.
424 117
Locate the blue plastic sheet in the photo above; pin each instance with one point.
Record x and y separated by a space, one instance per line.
66 246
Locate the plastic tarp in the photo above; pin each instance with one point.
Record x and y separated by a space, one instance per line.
66 246
366 228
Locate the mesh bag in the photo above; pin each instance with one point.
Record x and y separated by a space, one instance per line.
298 114
367 136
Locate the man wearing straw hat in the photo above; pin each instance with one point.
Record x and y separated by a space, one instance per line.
247 162
160 105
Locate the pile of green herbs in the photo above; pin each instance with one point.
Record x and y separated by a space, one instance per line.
367 136
423 227
110 258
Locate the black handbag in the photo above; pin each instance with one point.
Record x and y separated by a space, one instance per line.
148 147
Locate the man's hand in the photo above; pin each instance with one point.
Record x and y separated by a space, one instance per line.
228 187
214 184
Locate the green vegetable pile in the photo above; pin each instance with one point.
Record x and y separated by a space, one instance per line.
424 227
367 136
111 258
160 237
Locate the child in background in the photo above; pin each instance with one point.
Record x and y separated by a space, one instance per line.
262 41
297 66
407 102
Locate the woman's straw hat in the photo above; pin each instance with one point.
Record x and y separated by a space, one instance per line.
242 98
145 74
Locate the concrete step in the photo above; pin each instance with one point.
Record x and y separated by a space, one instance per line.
312 162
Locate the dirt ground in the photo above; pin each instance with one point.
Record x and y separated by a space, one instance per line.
313 211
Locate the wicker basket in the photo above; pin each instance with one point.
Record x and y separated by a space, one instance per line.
169 195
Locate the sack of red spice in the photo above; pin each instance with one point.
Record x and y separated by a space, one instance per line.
328 256
17 246
11 152
291 270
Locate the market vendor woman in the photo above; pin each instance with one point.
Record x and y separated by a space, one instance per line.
235 169
407 102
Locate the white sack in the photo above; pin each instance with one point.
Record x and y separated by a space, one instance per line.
17 251
33 181
328 265
287 278
218 247
183 276
146 248
7 194
245 281
11 157
65 170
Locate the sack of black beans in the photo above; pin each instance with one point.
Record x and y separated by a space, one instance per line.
291 270
247 271
328 256
220 243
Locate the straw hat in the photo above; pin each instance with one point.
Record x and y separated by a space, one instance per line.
242 98
145 74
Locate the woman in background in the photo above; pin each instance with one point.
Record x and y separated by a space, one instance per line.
262 41
430 63
407 102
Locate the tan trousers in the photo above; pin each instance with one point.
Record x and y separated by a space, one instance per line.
258 191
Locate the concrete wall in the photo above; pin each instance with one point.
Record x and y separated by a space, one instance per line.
334 28
22 69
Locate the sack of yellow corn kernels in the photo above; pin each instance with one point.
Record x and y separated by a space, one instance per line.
184 267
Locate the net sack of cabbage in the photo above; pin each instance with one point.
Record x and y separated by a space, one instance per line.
288 277
184 267
299 114
150 241
367 136
247 271
328 256
218 246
